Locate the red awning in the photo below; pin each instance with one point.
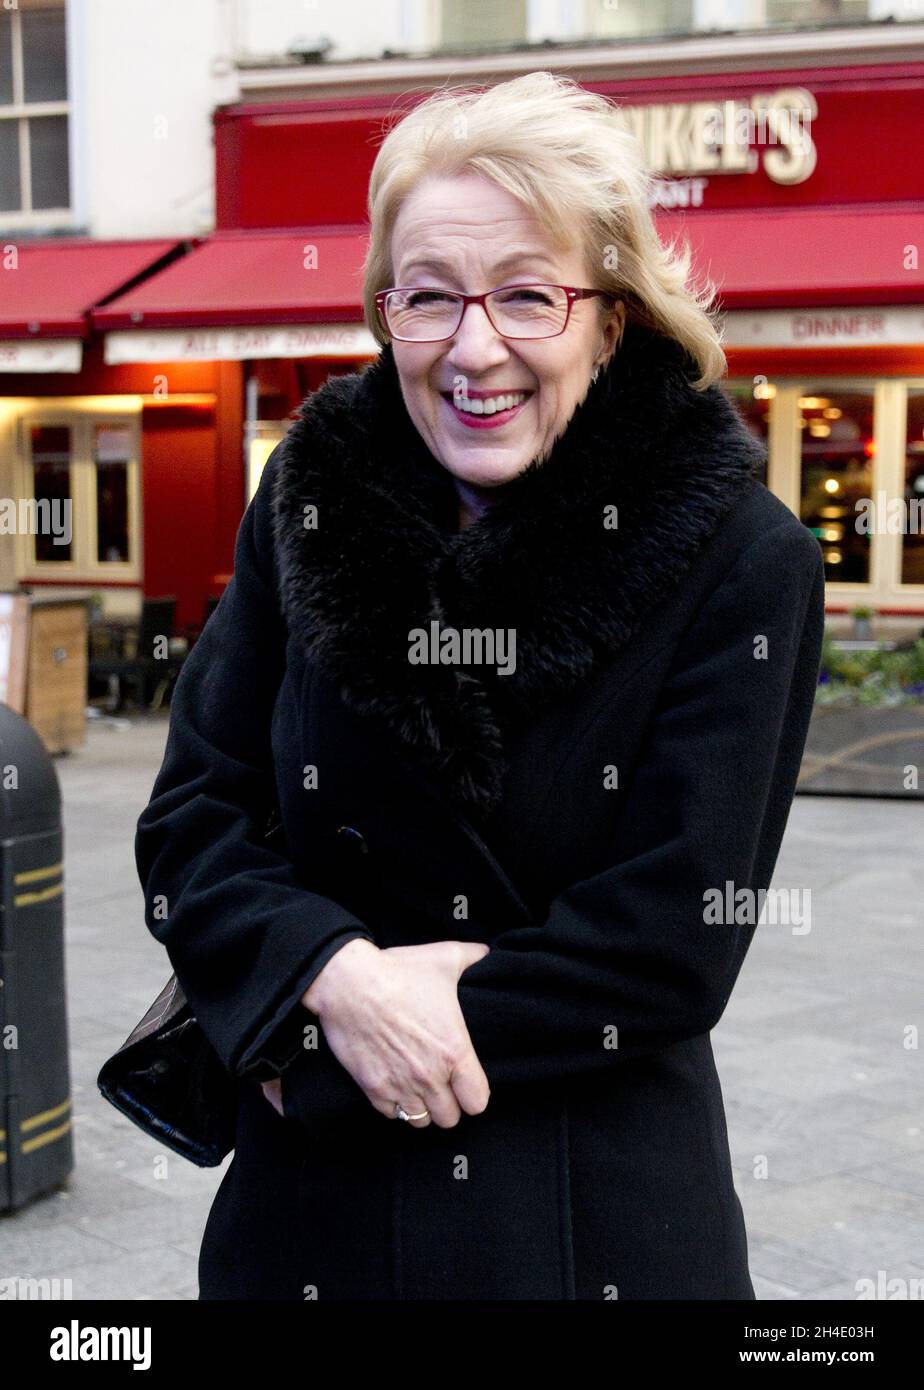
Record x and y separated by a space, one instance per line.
56 282
765 259
312 275
758 259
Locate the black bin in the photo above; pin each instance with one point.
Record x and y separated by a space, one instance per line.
36 1144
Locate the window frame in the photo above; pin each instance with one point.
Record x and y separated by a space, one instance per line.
84 568
20 112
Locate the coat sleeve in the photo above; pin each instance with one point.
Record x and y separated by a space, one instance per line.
244 936
630 962
627 963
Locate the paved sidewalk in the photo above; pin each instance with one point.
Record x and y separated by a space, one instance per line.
822 1092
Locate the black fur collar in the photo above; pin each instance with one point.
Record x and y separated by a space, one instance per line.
385 556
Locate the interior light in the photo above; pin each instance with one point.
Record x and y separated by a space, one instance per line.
258 452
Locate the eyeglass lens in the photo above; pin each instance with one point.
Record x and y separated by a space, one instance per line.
522 311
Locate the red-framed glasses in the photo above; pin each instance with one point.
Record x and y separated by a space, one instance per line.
424 314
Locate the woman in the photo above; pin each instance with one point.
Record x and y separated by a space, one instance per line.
527 654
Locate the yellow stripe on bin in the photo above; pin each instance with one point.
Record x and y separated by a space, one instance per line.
33 875
2 1156
43 1116
29 899
45 1138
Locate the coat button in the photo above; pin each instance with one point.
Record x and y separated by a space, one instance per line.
352 839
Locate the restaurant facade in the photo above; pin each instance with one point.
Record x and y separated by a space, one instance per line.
148 381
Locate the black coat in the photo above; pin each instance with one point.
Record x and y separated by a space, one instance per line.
643 753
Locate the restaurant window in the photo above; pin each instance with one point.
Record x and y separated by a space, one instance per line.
112 457
638 19
753 400
468 23
653 18
795 13
34 112
846 455
53 491
836 449
81 480
913 537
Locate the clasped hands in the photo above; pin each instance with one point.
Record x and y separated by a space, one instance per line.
392 1018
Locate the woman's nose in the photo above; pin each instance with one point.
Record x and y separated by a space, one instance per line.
476 343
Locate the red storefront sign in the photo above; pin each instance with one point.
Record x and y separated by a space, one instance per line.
811 138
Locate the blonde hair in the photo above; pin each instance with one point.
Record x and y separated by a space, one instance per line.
562 151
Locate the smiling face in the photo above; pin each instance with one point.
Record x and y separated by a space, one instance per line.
468 234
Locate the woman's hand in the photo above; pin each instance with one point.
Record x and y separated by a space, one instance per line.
393 1020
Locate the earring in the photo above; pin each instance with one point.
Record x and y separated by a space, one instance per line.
596 373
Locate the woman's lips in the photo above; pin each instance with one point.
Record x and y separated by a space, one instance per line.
485 422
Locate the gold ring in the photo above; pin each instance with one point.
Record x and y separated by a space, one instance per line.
402 1114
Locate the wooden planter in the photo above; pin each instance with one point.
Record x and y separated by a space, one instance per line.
865 750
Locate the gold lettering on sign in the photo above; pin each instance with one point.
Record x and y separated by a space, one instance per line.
772 129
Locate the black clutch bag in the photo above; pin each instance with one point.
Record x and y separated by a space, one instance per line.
169 1080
